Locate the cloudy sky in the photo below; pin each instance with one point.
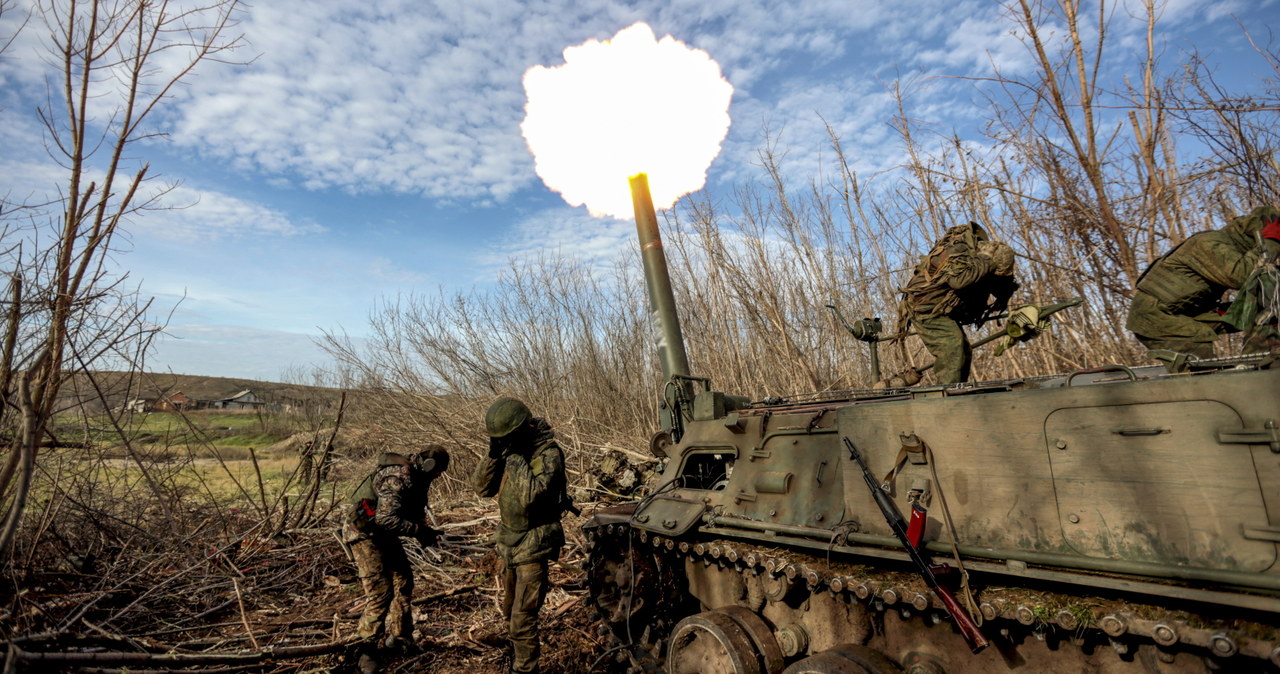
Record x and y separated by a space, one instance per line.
372 149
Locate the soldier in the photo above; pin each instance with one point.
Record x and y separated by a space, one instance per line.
391 502
525 470
963 280
1177 303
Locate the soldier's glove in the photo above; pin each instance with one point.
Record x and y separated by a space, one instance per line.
429 537
1271 230
1024 323
497 448
1271 238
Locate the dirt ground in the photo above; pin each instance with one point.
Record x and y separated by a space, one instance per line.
457 602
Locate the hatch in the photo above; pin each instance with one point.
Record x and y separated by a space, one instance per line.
1151 482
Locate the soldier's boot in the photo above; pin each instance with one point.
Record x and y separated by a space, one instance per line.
495 637
401 646
368 662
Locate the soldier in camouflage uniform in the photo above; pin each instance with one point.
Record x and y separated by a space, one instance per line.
525 470
391 502
964 279
1177 305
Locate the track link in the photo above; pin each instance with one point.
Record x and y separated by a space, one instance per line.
647 570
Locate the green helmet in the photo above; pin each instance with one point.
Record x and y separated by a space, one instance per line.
1001 255
504 416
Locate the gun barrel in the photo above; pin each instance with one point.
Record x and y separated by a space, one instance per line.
662 301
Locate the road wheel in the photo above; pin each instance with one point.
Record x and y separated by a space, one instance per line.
712 643
845 659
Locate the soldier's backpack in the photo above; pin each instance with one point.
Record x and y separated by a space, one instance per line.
364 500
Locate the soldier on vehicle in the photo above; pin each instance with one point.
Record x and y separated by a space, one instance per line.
963 280
1178 303
390 503
525 470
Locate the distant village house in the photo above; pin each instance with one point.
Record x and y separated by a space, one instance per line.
178 402
181 402
244 400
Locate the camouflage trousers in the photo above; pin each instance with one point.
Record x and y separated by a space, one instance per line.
524 590
387 579
1195 335
946 341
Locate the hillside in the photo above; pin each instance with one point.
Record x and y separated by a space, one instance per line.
117 387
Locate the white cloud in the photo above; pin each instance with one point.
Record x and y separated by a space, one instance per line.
425 97
190 214
179 213
384 269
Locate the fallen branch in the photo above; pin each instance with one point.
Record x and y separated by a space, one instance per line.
447 593
180 659
130 670
564 608
478 520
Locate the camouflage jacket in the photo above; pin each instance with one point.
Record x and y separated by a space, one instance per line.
1191 278
391 501
530 485
954 279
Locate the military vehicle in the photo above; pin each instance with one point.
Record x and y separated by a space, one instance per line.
1118 519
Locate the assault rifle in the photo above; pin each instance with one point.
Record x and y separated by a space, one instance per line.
924 564
911 376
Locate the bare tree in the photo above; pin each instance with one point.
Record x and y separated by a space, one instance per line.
114 62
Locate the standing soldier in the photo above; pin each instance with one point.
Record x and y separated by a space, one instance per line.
963 280
525 470
1177 303
391 502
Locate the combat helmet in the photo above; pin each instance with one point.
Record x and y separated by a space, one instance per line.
1001 256
504 416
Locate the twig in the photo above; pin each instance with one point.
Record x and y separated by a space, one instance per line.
478 520
243 617
270 653
262 489
447 593
564 608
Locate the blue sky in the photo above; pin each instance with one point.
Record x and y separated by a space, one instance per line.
374 149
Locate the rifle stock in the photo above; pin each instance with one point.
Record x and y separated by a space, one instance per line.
968 629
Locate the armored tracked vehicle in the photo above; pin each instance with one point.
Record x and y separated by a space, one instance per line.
1110 520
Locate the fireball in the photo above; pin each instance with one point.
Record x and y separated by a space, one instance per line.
633 104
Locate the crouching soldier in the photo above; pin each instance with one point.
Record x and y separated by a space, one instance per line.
391 502
1178 304
525 470
963 280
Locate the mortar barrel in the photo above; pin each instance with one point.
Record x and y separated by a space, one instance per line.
662 301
